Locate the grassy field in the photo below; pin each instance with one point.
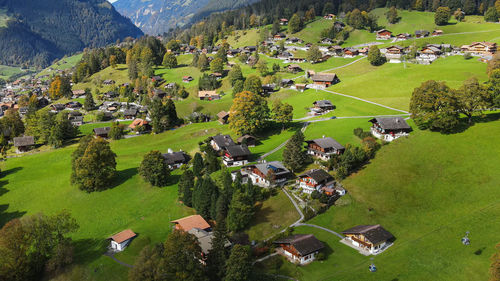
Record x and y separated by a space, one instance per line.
62 64
7 71
393 84
428 190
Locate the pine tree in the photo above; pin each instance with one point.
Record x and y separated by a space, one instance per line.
89 103
217 256
239 264
198 165
294 156
240 211
235 74
185 182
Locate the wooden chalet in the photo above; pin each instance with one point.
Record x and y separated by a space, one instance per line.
283 22
223 117
324 148
108 82
329 17
265 174
208 95
383 34
394 50
279 36
102 132
248 140
325 79
300 87
187 79
403 36
437 32
175 160
57 107
190 222
389 128
129 113
121 240
236 155
299 248
221 142
480 48
138 123
350 52
315 180
421 33
23 144
370 238
297 60
322 106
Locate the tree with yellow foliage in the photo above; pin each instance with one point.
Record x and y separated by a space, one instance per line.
249 113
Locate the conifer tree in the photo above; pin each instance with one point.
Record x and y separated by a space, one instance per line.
294 156
198 165
239 264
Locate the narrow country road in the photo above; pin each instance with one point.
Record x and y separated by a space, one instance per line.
112 255
304 126
360 99
338 67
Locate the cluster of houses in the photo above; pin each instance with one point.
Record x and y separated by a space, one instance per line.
426 55
385 34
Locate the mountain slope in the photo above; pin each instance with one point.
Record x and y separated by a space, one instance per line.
158 16
39 31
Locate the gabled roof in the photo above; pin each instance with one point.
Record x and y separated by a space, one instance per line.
374 233
318 175
102 131
131 111
175 157
303 243
245 137
327 142
24 141
190 222
324 77
222 114
276 166
223 141
202 94
123 236
238 150
391 123
383 30
323 103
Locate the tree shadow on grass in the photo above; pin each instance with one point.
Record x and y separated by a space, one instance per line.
123 176
465 124
11 171
88 250
5 217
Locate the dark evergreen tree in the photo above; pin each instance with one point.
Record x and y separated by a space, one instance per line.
154 169
198 165
239 264
186 182
294 156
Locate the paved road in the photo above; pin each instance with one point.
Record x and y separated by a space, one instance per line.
304 126
323 228
112 255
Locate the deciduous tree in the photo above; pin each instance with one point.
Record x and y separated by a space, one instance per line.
169 60
154 169
314 54
253 84
375 57
442 16
295 24
282 113
249 113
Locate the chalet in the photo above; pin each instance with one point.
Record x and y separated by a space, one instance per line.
158 93
121 240
252 60
336 50
268 88
297 60
129 113
223 117
175 160
251 49
329 17
57 107
73 105
322 106
370 238
233 52
108 82
338 25
187 79
205 240
428 54
221 142
140 123
236 155
287 82
389 128
300 87
279 36
75 120
110 95
157 79
326 41
284 55
247 140
102 132
315 180
437 32
384 34
78 93
394 50
363 51
23 144
190 222
403 36
480 48
265 174
293 40
324 148
300 248
421 33
283 22
208 95
350 52
325 79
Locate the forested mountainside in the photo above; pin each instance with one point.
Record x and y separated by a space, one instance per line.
37 32
158 16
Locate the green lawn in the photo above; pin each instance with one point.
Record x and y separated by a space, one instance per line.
393 84
311 33
62 64
7 71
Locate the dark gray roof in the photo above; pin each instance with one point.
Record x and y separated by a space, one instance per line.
303 243
318 175
323 103
102 131
223 141
327 142
238 150
24 141
324 77
176 157
276 166
391 123
128 112
374 233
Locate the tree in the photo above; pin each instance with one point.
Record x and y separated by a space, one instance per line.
471 98
96 168
169 60
198 165
282 113
419 5
205 198
240 211
497 6
262 68
493 88
275 28
113 61
163 116
294 156
235 74
328 8
239 264
310 14
186 183
217 256
154 169
442 16
60 87
89 103
117 131
61 130
238 87
295 24
459 15
314 54
173 46
203 62
491 15
375 57
495 265
248 114
253 84
392 15
217 65
433 107
12 121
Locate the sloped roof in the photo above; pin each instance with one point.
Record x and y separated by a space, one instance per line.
222 114
24 141
318 175
190 222
202 94
327 142
123 236
276 166
175 157
223 141
102 131
374 233
238 150
324 77
245 137
323 103
303 243
391 123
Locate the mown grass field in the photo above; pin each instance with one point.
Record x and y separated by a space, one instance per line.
7 71
62 64
428 190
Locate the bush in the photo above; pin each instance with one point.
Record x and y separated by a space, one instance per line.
154 169
320 256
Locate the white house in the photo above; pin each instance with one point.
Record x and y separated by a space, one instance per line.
299 248
315 179
264 174
121 240
389 128
368 238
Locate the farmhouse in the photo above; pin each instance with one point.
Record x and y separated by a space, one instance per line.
325 79
384 34
283 21
75 120
480 48
223 117
428 54
350 52
299 248
187 79
137 123
190 222
57 107
266 174
393 53
175 160
121 240
129 113
421 33
324 148
437 32
329 17
322 106
315 180
78 93
403 36
389 128
221 142
236 155
300 87
371 238
24 143
208 95
102 132
248 140
279 36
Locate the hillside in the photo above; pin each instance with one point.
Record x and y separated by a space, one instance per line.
158 16
38 32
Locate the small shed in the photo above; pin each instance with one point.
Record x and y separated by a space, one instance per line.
102 132
24 144
121 240
223 117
